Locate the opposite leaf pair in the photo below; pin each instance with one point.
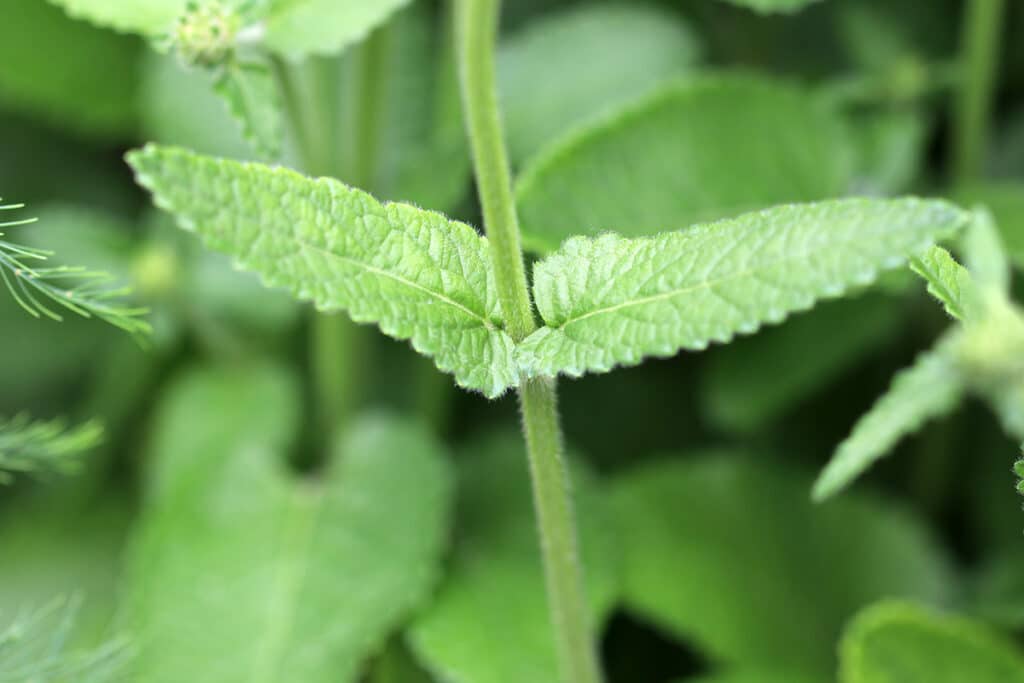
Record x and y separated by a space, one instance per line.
605 301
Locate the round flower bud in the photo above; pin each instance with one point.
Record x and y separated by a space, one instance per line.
205 34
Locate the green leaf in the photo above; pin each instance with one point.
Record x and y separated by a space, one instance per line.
894 642
417 274
758 676
252 97
611 300
150 18
889 147
87 86
984 254
571 65
1006 202
490 623
302 28
717 547
928 389
41 446
773 6
948 281
691 152
743 387
242 572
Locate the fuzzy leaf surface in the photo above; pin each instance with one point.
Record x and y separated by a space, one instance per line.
240 572
928 389
489 623
304 28
894 642
717 545
612 300
417 274
693 151
568 66
948 281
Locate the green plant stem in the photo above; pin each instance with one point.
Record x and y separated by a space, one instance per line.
980 44
476 24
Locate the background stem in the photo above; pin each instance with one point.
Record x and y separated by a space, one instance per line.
476 25
982 30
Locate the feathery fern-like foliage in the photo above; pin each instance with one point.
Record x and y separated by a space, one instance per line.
43 446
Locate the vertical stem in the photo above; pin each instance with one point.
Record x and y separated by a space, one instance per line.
979 53
476 24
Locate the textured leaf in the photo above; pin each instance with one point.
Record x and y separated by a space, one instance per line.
417 274
611 301
87 85
894 642
692 152
252 97
752 382
718 547
571 65
241 573
302 28
773 6
928 389
984 254
948 281
490 623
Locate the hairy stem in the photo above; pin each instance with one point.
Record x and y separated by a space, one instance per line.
476 28
982 28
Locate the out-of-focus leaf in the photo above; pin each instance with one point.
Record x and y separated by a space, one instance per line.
70 74
304 28
773 6
894 642
930 388
149 18
240 571
1006 202
571 65
984 253
43 446
718 547
178 107
253 98
889 149
489 623
997 590
690 153
753 381
757 676
880 35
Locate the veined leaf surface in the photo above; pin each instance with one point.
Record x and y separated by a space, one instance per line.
241 572
612 300
417 274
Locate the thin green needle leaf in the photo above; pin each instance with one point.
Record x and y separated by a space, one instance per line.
417 274
46 292
43 446
948 281
611 301
894 642
928 389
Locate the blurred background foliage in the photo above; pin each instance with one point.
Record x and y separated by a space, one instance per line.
703 462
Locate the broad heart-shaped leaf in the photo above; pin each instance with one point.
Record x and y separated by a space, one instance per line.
241 572
773 6
894 642
569 66
252 97
727 554
303 28
611 300
948 281
694 151
490 622
87 86
415 273
930 388
754 381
